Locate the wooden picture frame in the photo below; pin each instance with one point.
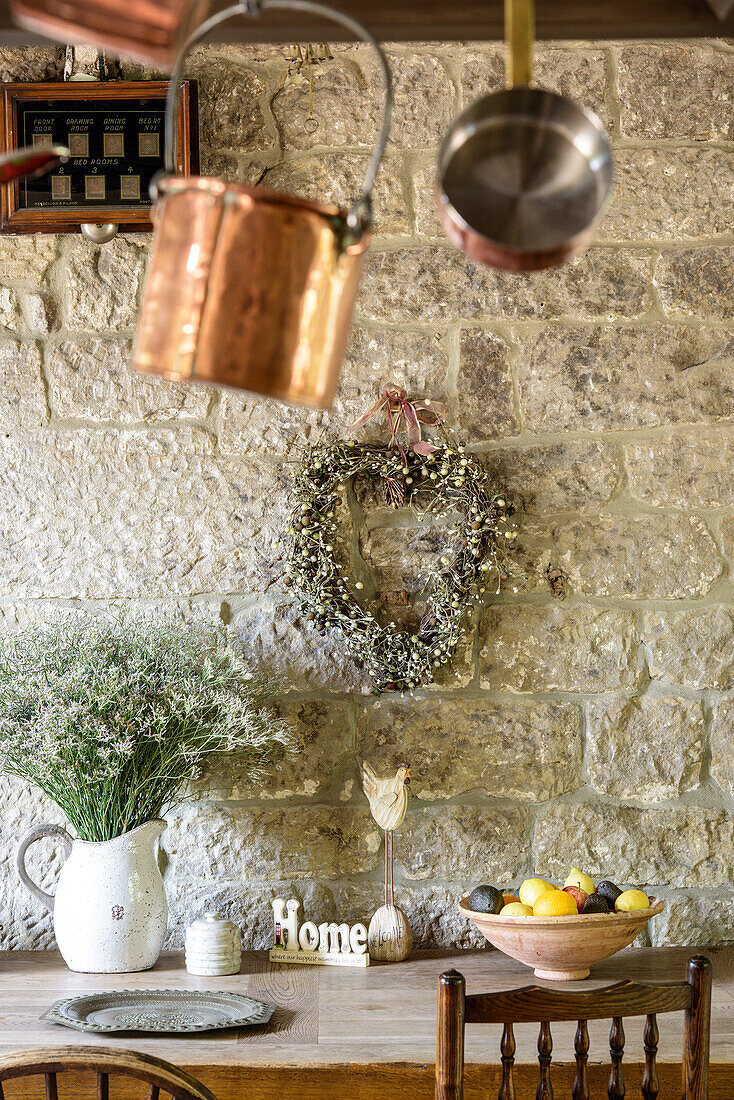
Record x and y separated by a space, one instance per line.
63 215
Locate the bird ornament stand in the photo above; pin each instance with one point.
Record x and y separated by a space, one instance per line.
389 936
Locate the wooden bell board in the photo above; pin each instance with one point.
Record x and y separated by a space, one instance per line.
115 134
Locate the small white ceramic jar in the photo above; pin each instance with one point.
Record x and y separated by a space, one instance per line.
213 946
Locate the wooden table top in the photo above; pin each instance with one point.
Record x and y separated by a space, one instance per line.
328 1016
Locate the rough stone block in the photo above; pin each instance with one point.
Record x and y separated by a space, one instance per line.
415 360
285 644
10 315
246 901
22 396
22 310
576 72
664 557
231 112
32 64
91 378
106 514
530 752
435 919
404 557
425 99
687 846
698 476
676 90
727 537
645 748
722 746
486 405
459 672
425 211
101 284
38 311
694 647
213 841
431 910
337 178
696 282
694 922
322 747
557 477
347 102
461 842
235 168
346 109
24 922
433 284
675 195
528 649
262 425
28 258
614 377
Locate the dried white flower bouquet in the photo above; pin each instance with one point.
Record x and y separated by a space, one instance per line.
112 719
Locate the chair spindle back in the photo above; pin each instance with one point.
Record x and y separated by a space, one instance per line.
534 1004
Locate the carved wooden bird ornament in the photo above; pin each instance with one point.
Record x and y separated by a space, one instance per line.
388 798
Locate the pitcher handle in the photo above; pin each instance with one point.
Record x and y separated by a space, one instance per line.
37 834
360 215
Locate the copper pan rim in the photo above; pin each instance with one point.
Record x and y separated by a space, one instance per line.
219 188
242 194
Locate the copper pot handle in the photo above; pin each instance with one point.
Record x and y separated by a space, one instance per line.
360 215
519 36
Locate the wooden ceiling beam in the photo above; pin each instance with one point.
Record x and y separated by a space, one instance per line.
467 20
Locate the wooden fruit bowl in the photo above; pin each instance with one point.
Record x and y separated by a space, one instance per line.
562 949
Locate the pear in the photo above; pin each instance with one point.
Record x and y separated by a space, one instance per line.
579 879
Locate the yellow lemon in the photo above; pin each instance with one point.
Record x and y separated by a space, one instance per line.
516 909
578 878
631 900
555 903
532 888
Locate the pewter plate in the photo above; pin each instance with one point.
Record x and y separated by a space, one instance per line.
165 1010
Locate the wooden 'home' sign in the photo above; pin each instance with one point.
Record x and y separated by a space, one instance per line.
325 944
114 131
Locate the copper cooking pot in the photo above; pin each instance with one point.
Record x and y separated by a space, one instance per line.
252 288
524 174
152 30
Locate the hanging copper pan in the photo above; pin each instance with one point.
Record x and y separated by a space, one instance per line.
524 174
253 288
152 30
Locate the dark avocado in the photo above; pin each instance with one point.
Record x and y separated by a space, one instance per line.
609 891
486 899
595 903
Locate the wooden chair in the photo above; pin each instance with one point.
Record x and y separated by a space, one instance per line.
533 1004
105 1062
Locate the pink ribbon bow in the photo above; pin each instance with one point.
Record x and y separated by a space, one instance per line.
395 402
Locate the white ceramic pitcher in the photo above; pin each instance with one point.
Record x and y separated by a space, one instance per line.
110 912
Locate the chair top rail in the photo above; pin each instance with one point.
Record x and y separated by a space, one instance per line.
107 1060
534 1004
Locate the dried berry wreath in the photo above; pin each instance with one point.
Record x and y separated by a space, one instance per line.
442 479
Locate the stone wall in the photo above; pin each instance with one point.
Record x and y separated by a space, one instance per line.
593 729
